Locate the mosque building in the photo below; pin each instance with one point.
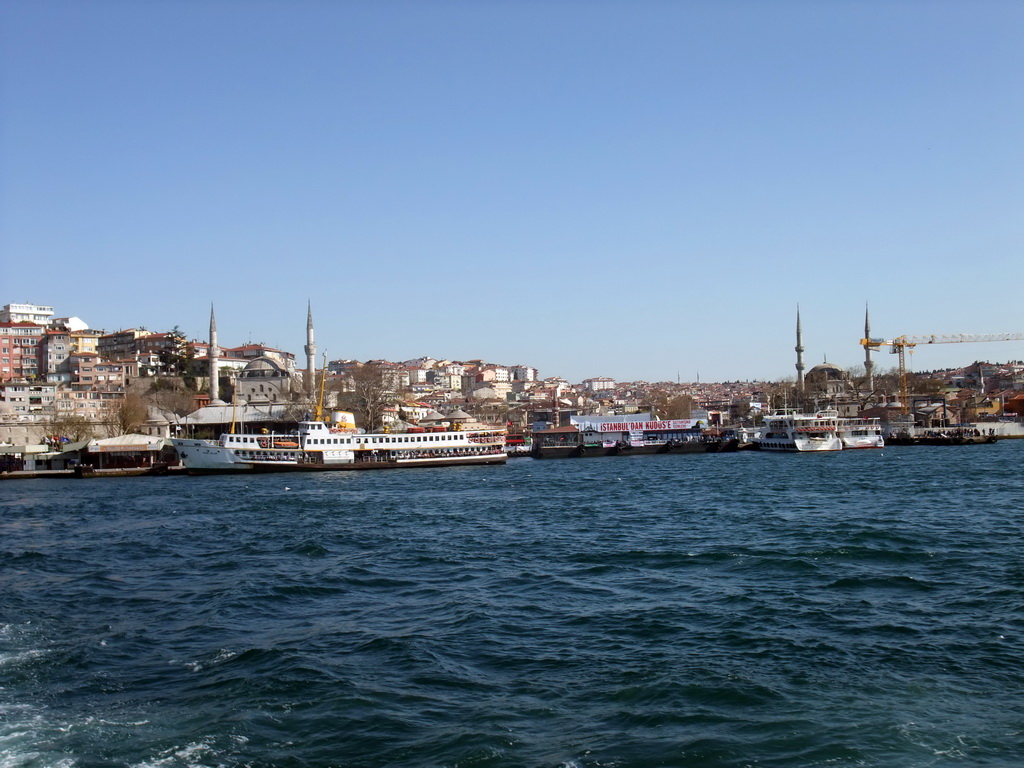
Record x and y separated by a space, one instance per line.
829 382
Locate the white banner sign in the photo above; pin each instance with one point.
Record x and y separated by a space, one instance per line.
645 426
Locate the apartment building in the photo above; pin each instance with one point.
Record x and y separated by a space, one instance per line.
20 351
86 342
599 384
96 384
21 398
55 348
26 313
120 345
523 373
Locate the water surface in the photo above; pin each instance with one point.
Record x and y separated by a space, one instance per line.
854 609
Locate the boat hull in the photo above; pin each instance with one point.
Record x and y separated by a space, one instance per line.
850 444
361 466
924 440
834 444
591 451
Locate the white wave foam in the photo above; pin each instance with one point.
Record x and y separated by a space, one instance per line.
20 657
196 755
21 729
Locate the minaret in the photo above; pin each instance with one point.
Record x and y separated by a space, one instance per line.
869 365
799 353
214 356
310 353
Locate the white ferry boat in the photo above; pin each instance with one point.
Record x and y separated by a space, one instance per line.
317 446
787 430
861 433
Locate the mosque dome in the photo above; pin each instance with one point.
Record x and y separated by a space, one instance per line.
262 368
828 371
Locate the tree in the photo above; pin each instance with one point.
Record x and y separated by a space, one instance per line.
918 383
173 359
782 394
168 394
71 425
887 383
125 415
668 405
367 391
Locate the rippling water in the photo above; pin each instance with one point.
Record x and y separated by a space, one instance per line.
854 609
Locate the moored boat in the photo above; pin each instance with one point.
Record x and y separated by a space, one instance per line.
861 433
318 446
788 430
618 437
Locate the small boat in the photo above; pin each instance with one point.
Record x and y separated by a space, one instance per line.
861 433
788 430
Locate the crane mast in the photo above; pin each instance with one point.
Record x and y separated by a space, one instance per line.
901 344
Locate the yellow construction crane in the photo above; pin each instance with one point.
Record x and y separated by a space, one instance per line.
902 343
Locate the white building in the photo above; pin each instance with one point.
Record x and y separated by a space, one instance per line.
599 384
26 313
74 324
523 373
495 373
416 375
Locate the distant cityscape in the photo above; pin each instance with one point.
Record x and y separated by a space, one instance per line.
57 372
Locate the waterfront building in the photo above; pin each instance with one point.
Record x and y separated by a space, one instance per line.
264 381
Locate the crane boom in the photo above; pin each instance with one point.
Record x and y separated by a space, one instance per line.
901 344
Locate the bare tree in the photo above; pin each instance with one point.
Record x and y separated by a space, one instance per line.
919 383
169 393
782 394
367 392
668 405
493 411
125 415
72 426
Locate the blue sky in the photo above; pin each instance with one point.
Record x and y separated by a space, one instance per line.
642 190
